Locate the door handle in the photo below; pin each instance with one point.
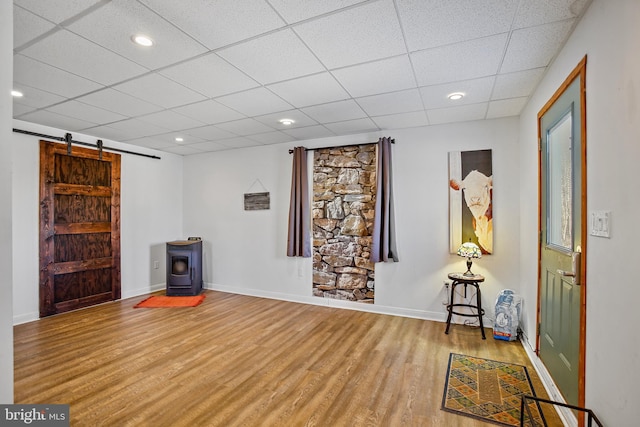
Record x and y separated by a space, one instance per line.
566 273
574 274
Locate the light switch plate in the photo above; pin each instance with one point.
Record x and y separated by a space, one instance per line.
600 223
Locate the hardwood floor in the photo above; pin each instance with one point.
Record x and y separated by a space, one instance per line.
238 360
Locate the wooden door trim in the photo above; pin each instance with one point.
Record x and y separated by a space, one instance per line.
579 72
48 228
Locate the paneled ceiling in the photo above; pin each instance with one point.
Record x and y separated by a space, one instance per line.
221 74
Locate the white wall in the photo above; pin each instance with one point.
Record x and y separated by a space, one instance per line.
608 34
245 250
6 309
151 214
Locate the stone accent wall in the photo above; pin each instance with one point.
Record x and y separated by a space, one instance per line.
344 188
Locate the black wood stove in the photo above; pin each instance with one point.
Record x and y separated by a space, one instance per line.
184 267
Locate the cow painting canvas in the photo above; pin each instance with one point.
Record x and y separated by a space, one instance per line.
471 199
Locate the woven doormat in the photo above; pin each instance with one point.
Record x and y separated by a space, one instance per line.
488 390
161 301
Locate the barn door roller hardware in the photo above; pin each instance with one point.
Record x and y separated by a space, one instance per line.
68 140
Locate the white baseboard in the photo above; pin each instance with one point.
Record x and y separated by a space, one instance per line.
30 317
25 318
143 291
565 414
349 305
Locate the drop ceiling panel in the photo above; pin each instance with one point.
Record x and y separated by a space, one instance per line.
352 126
506 107
59 121
460 61
403 120
27 26
219 23
453 21
20 109
361 34
310 90
183 150
158 141
108 132
531 13
275 137
113 100
547 39
70 52
36 98
296 10
387 75
207 133
475 91
209 112
273 120
210 75
32 73
274 57
245 127
129 18
159 90
86 112
457 114
207 146
255 102
335 111
171 120
310 132
136 128
391 103
517 84
237 142
57 10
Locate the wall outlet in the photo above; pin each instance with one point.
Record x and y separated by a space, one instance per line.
156 265
445 301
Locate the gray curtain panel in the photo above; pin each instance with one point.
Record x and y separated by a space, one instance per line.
383 247
299 238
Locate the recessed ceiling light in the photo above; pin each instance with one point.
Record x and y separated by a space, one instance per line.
179 139
287 122
455 96
142 40
17 94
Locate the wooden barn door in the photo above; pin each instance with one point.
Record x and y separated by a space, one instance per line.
79 228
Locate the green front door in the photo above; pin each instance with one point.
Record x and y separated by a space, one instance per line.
561 239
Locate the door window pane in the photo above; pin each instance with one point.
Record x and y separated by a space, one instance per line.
560 191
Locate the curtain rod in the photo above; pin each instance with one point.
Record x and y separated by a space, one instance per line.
393 141
67 139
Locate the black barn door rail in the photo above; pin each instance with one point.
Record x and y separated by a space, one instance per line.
67 140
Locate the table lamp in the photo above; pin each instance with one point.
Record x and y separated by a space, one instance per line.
469 250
